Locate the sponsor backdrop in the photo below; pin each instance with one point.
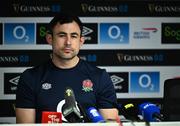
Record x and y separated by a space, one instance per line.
137 42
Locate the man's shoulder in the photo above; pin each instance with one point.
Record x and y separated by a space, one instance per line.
91 67
37 70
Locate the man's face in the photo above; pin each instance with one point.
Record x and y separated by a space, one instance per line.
66 40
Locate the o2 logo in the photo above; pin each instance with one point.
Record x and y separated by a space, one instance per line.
19 33
144 82
114 33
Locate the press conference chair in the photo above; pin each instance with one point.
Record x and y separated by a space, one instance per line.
171 100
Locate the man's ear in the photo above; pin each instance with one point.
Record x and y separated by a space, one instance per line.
82 40
49 38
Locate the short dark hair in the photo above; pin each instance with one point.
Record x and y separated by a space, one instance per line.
63 18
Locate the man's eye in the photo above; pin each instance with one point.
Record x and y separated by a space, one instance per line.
61 35
74 36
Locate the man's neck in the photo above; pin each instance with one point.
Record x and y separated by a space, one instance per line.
65 64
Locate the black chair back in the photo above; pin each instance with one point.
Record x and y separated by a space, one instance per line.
171 100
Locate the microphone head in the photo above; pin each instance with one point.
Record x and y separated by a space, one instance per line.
69 97
94 115
148 110
69 109
130 111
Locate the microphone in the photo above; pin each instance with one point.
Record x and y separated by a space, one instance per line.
69 109
115 105
83 113
129 111
51 117
94 115
150 112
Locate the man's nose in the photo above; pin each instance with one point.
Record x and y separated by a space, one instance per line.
68 40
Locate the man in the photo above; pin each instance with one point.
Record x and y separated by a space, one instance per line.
42 88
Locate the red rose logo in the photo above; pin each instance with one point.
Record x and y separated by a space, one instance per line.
87 85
